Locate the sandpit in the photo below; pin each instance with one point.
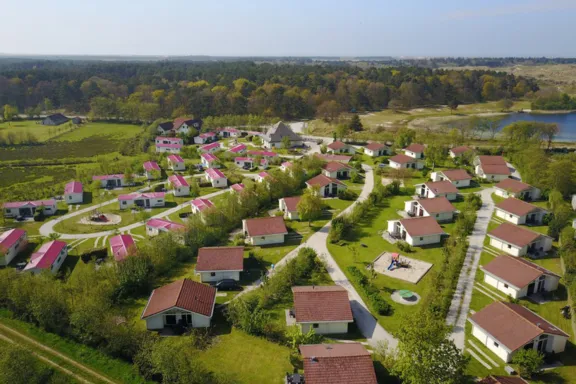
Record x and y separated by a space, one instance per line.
111 219
412 270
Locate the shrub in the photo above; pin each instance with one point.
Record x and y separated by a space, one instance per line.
347 195
528 361
404 247
239 240
376 301
474 201
355 177
425 172
336 231
159 187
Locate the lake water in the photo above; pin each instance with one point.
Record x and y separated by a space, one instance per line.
566 122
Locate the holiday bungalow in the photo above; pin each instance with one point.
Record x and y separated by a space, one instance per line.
209 160
520 212
506 328
199 205
229 132
142 200
237 188
169 144
274 136
377 150
73 193
219 263
338 147
210 148
403 161
518 277
514 188
492 168
285 166
176 163
151 170
519 241
183 303
262 177
122 246
439 208
111 181
182 125
289 205
459 177
205 138
415 151
12 242
264 230
216 178
458 151
238 149
248 162
338 170
325 309
165 127
180 186
28 208
154 227
328 157
55 119
431 189
416 231
328 186
49 257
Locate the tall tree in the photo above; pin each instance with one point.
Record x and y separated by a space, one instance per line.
310 205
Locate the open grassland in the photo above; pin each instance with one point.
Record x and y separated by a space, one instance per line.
33 127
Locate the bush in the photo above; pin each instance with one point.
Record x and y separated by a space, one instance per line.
528 361
239 240
376 301
159 187
473 201
347 195
355 177
404 247
336 231
425 172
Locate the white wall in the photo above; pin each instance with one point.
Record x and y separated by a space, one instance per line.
157 321
558 344
509 217
500 285
263 240
221 182
423 240
152 231
503 193
206 277
551 283
14 250
461 183
181 191
512 249
443 216
416 155
391 225
495 178
177 166
489 342
73 198
326 328
395 165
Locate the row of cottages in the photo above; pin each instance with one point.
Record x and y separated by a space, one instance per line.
111 181
49 257
122 246
238 149
210 148
219 263
457 152
431 189
417 231
274 136
208 160
325 309
12 242
155 227
458 177
74 193
180 186
216 178
176 163
518 277
519 241
264 230
439 208
491 168
337 147
248 162
169 144
151 170
205 138
289 206
520 212
28 208
506 328
377 149
179 126
348 363
329 187
514 188
142 200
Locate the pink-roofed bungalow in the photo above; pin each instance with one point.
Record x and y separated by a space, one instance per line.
154 227
236 188
209 160
176 163
204 138
12 242
122 246
199 205
73 193
49 257
28 208
210 148
238 149
262 176
111 181
229 132
286 166
216 178
142 200
151 169
179 185
169 144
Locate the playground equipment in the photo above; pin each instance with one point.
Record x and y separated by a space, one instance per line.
98 217
395 262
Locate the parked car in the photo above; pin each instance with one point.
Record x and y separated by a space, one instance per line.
184 215
227 285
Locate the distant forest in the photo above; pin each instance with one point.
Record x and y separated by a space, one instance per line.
147 91
491 62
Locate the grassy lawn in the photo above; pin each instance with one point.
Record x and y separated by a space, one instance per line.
112 131
41 132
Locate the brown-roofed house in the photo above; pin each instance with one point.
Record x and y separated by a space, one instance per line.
337 170
519 241
181 303
492 168
439 208
376 149
459 177
506 328
403 161
328 185
518 277
459 151
264 230
417 231
289 205
520 212
326 309
503 380
432 189
348 363
415 151
515 188
338 147
218 263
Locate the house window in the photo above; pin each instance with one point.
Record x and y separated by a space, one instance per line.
421 238
510 216
496 344
262 238
58 260
315 325
509 246
123 203
505 285
69 197
212 274
170 319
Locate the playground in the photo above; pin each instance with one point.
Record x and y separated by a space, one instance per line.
401 267
99 218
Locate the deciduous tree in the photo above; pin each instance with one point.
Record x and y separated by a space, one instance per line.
310 205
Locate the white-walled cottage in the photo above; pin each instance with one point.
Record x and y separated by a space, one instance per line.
337 170
209 160
156 226
264 230
122 246
459 177
176 163
216 178
325 309
491 168
206 137
238 149
12 242
337 147
519 241
415 151
520 212
515 188
289 205
274 136
403 161
180 186
169 144
457 152
210 148
49 257
151 170
218 263
142 200
377 150
439 208
430 190
111 181
74 193
199 205
328 186
28 208
416 231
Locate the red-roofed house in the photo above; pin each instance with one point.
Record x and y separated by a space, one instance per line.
328 186
73 193
142 200
458 151
238 149
111 181
415 151
180 186
121 246
262 177
218 263
439 208
12 242
264 230
338 147
236 188
199 205
519 241
183 303
229 132
514 188
459 177
337 170
285 166
493 168
326 309
431 190
216 178
49 257
403 161
169 144
209 160
289 205
204 138
176 163
156 226
210 148
377 150
520 212
28 208
416 231
151 170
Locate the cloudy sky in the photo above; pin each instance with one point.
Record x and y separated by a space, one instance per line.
293 27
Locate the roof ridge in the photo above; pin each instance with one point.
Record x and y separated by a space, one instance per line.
529 264
523 318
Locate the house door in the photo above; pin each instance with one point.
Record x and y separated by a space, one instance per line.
147 203
423 191
397 229
187 320
26 212
542 343
531 289
413 165
540 284
327 190
170 320
334 189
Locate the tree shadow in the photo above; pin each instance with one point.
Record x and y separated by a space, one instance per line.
220 325
87 198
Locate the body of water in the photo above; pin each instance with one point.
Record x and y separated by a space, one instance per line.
566 122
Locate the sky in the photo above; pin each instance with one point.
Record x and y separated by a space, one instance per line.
290 27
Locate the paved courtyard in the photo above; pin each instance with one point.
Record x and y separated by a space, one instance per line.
412 270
